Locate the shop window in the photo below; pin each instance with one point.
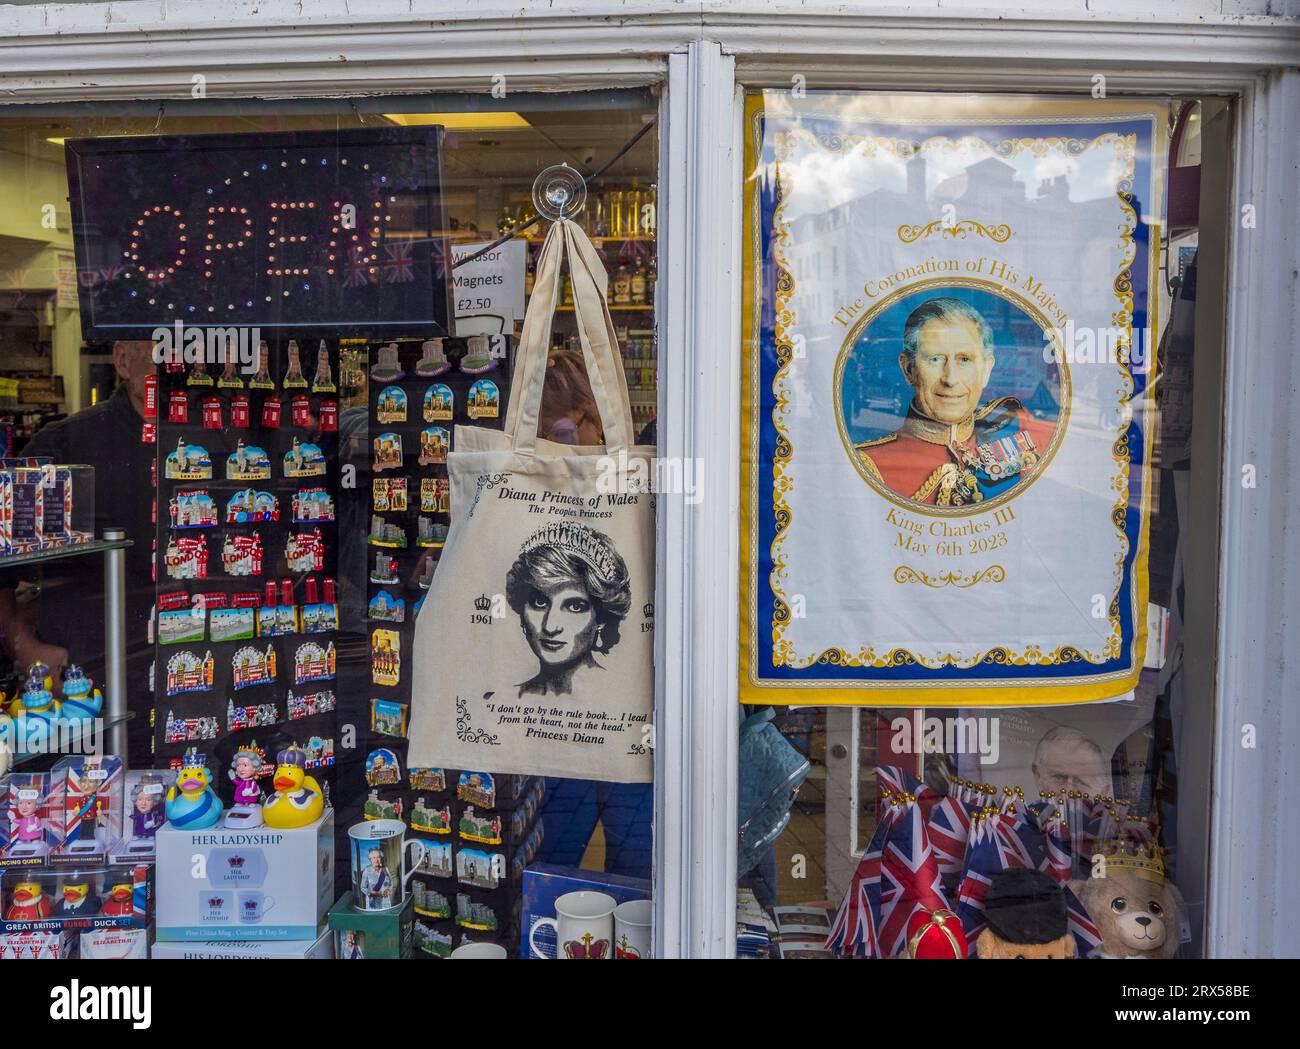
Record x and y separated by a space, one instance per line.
288 502
968 727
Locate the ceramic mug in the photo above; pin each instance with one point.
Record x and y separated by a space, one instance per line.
583 924
478 950
632 929
254 905
380 871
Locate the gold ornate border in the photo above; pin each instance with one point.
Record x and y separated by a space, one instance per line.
1081 688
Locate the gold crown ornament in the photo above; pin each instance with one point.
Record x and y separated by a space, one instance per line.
1146 861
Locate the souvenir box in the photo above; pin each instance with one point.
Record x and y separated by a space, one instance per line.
49 945
263 884
143 813
372 934
105 897
544 883
30 802
44 505
88 817
114 944
234 950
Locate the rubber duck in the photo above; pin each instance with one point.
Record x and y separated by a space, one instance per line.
192 804
37 702
297 800
28 903
79 899
81 700
118 902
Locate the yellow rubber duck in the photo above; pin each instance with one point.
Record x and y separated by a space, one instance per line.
297 800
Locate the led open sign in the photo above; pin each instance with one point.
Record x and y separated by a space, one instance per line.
338 232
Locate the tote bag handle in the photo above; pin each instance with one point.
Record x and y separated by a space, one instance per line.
595 331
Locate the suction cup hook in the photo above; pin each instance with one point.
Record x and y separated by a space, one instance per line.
559 192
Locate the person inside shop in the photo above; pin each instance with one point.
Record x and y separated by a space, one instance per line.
1068 759
64 622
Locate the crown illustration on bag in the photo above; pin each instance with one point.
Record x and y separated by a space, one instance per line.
579 540
648 610
1146 861
482 602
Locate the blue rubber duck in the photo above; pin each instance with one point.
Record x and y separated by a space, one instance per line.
192 804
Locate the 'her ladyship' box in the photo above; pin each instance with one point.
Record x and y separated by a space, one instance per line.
262 884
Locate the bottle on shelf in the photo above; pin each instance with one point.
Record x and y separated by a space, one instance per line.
639 284
622 286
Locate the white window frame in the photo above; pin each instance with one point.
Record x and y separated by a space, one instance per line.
705 50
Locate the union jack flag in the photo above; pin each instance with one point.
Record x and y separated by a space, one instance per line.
949 828
996 844
358 273
399 267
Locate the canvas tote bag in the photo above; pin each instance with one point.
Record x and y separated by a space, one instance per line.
533 652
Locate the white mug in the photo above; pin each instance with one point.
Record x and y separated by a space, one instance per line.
254 905
384 887
583 924
478 950
632 929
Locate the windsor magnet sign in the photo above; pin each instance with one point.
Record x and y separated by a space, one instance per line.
338 232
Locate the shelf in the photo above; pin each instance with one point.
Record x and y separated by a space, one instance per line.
99 546
70 739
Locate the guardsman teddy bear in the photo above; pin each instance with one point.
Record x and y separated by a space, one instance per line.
1026 916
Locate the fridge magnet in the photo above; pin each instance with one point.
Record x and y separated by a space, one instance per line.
230 379
252 507
429 779
388 451
192 510
293 376
478 355
386 608
313 663
434 443
272 409
485 829
212 414
477 788
231 624
427 568
484 400
391 405
300 411
323 380
255 715
479 869
181 627
434 495
189 462
388 494
439 403
377 808
387 368
430 532
178 408
304 706
426 818
241 555
240 412
382 768
431 941
251 665
384 571
433 359
429 902
385 657
320 752
305 551
304 460
311 505
198 375
248 462
329 416
320 618
262 379
384 533
189 730
186 557
186 672
277 620
439 860
388 718
471 914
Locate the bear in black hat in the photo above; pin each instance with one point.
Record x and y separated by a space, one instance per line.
1025 911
